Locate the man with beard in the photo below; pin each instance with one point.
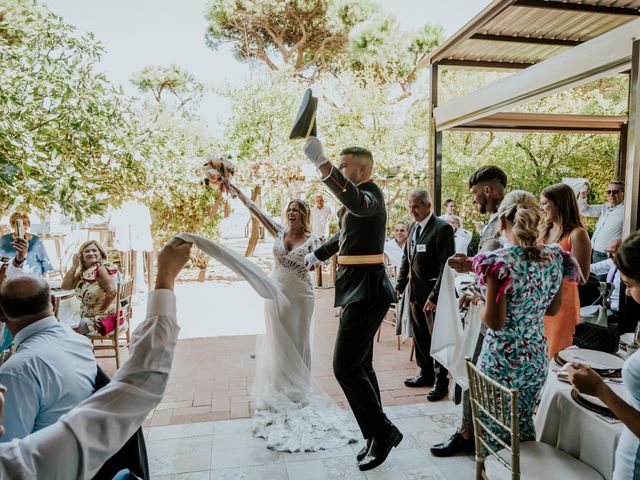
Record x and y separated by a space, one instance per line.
487 187
362 289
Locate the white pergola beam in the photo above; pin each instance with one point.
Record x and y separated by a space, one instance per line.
603 56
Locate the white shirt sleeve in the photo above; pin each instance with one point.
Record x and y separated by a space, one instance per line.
78 444
590 210
601 268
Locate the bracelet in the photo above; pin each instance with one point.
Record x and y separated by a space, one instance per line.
18 263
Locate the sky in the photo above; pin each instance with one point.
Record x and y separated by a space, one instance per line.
136 33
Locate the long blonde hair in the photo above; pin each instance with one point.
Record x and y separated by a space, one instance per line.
521 210
100 248
305 214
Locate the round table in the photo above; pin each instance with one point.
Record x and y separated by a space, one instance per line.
581 433
58 295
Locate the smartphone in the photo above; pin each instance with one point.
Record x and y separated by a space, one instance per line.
4 259
20 228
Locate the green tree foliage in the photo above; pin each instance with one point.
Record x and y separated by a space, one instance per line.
306 35
67 137
178 199
311 37
160 80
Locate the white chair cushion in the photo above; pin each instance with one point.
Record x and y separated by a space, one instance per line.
541 461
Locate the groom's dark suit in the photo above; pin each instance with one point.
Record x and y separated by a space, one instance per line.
422 264
365 293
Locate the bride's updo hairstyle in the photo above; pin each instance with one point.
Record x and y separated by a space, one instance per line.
305 213
522 212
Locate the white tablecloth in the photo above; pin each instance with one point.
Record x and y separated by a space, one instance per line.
564 424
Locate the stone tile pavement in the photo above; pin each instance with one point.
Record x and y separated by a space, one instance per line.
211 377
227 450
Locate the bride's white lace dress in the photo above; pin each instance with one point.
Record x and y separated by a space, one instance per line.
290 414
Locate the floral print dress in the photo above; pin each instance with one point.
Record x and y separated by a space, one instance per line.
91 296
516 355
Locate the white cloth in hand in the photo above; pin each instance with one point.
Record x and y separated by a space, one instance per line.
310 260
314 152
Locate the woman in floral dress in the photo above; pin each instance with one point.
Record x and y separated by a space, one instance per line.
94 280
522 284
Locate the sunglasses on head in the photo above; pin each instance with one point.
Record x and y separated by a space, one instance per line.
614 192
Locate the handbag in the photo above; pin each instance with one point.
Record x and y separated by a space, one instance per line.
596 337
107 325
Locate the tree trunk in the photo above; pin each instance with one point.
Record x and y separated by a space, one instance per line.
202 275
255 225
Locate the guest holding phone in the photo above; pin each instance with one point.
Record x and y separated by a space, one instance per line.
36 261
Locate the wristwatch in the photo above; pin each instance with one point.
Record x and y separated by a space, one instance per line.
18 263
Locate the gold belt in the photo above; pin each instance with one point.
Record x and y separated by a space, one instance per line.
374 259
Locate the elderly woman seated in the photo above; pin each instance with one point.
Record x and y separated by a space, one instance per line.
37 261
94 279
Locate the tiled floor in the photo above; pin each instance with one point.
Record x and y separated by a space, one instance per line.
211 377
226 450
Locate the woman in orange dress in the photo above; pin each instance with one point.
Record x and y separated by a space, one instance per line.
562 225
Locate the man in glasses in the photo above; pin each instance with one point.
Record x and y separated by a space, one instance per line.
609 226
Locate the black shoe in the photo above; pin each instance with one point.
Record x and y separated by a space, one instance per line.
455 445
380 448
363 453
438 393
419 381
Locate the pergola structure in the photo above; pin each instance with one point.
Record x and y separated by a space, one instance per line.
552 46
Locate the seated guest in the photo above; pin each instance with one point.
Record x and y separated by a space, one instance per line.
394 248
461 237
608 269
53 368
37 261
9 269
79 443
94 280
522 283
586 381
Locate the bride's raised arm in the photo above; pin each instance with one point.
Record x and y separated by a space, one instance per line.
272 227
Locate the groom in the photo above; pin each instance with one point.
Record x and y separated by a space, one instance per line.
363 291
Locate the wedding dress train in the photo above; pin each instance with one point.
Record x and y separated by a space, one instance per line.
291 413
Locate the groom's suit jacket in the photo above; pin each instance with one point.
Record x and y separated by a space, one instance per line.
423 263
362 232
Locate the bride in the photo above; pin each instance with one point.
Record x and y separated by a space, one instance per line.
290 414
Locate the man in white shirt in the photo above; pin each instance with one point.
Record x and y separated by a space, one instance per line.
320 216
394 248
608 269
53 368
450 210
461 236
78 444
609 226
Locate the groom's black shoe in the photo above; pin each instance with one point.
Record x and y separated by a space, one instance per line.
419 381
380 448
363 453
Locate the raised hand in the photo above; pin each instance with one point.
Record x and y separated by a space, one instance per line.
21 246
171 259
460 263
314 152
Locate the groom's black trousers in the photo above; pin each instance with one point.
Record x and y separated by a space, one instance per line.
353 364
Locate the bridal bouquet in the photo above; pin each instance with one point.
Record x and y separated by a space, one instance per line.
218 169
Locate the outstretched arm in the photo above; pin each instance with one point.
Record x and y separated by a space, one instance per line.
272 227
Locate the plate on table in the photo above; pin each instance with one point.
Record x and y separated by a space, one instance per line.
595 404
602 362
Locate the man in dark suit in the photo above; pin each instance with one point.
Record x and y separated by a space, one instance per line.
430 243
362 290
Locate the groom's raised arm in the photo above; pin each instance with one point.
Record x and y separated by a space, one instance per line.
358 201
